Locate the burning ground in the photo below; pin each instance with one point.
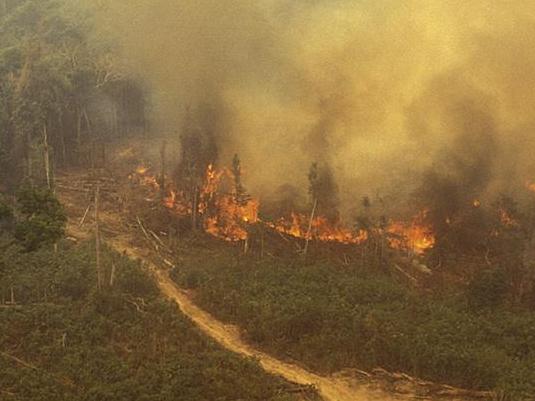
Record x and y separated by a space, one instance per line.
224 215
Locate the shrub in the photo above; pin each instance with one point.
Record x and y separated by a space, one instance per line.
488 289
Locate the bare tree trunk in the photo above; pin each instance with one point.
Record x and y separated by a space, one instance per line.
12 295
261 242
126 114
246 245
79 132
112 275
97 237
29 164
115 120
87 121
194 209
62 133
162 172
47 157
310 226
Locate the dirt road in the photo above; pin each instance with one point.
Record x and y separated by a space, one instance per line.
330 388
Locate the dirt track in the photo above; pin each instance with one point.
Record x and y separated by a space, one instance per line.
330 388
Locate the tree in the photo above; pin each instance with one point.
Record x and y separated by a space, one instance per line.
55 75
240 195
6 215
198 151
323 190
41 218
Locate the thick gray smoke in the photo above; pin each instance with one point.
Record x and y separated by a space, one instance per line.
384 92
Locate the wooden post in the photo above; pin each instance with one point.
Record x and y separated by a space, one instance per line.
79 131
261 242
97 238
47 157
310 225
194 209
112 275
162 172
29 151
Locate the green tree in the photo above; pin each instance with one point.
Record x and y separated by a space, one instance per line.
42 218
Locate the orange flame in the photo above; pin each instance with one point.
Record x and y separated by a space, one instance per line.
415 236
146 178
321 229
226 218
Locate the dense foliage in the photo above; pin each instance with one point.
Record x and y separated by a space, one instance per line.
41 218
62 94
333 317
65 341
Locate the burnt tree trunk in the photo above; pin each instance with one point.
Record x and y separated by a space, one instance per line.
309 230
97 238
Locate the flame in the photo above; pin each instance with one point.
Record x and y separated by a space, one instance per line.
146 178
415 236
142 170
227 218
530 186
476 203
320 229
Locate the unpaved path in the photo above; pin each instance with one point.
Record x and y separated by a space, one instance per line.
330 388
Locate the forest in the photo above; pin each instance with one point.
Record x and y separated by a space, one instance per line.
246 163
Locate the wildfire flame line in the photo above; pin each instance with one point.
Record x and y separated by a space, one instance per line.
226 218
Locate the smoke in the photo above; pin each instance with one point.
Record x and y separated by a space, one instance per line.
386 93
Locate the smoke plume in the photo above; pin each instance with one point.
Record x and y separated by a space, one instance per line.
386 93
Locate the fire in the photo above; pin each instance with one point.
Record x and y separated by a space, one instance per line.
232 219
321 229
142 170
225 216
146 178
531 186
415 236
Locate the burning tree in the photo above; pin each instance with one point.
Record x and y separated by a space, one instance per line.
198 151
240 195
323 191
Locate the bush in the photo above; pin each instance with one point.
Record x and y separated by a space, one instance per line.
42 218
488 289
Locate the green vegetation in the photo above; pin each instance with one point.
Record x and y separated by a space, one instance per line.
333 317
62 94
65 341
42 219
61 339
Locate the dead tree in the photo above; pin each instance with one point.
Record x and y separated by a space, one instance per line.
97 238
162 171
47 157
